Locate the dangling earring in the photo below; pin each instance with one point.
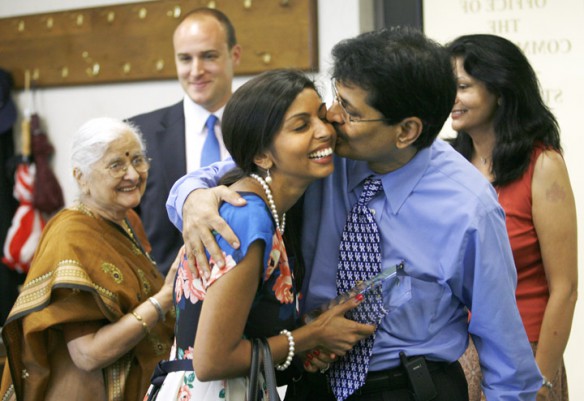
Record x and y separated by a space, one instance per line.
268 178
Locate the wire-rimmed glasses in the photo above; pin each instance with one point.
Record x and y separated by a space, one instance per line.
119 168
348 117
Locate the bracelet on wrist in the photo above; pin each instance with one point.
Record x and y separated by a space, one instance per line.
546 383
291 344
142 322
158 307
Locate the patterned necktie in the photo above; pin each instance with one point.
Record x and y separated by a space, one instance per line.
211 152
360 259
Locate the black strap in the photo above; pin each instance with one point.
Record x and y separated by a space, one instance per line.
252 388
259 347
163 369
269 372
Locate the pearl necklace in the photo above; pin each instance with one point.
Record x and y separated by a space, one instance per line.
271 202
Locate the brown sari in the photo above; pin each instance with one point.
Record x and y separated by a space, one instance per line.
85 269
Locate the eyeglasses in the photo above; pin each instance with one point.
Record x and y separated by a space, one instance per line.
348 117
119 168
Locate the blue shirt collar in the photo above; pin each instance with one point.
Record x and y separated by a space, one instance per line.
397 184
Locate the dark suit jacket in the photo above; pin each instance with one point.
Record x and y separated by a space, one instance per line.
164 133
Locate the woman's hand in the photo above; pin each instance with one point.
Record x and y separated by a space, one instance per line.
94 345
318 360
165 295
337 334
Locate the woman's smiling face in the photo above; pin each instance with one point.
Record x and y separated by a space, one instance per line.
112 197
475 106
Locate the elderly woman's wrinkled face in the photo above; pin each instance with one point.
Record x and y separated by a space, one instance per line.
115 184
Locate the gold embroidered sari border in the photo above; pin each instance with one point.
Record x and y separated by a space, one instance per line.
69 273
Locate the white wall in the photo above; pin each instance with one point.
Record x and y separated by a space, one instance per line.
550 32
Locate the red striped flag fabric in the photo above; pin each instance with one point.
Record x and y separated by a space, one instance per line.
27 224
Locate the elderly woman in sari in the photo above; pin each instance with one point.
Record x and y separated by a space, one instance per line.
93 318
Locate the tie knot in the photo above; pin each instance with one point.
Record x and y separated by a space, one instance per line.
370 187
210 124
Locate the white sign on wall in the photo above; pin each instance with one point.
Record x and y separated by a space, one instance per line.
549 32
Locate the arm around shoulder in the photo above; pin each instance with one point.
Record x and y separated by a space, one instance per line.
206 177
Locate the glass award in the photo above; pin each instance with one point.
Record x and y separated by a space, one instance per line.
362 287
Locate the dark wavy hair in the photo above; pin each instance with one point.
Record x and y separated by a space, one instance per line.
405 73
522 118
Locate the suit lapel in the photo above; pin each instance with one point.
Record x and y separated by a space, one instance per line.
171 145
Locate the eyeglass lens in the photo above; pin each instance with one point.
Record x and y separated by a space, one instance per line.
119 169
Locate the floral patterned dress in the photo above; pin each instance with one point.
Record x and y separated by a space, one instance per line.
274 308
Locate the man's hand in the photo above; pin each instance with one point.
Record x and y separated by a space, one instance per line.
200 219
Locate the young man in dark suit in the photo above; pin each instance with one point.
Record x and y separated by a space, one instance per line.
206 53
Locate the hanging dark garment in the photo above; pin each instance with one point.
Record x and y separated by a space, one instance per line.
47 194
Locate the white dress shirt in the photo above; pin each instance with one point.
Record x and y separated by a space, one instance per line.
196 132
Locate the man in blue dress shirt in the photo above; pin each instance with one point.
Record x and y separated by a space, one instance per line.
393 90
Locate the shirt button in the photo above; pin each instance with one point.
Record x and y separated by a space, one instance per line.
372 211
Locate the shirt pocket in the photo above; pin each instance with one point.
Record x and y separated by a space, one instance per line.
420 309
397 291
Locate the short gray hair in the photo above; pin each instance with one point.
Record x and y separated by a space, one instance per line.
92 139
